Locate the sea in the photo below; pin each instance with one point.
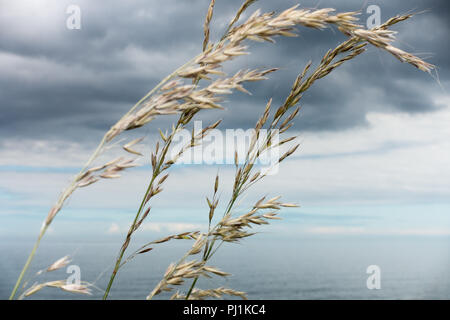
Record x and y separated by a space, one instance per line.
264 266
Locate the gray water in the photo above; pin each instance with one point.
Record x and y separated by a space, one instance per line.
274 268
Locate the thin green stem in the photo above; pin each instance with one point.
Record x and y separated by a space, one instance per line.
27 264
44 229
125 245
209 246
207 253
94 155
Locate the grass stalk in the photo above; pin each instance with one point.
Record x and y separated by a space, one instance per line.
72 186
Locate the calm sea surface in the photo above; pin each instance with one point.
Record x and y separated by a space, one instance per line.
303 268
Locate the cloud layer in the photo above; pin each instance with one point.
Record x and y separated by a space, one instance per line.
73 84
375 132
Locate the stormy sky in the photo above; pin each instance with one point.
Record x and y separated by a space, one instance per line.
374 132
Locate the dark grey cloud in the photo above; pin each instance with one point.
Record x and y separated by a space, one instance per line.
74 84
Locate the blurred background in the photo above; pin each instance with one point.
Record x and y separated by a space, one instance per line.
371 176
